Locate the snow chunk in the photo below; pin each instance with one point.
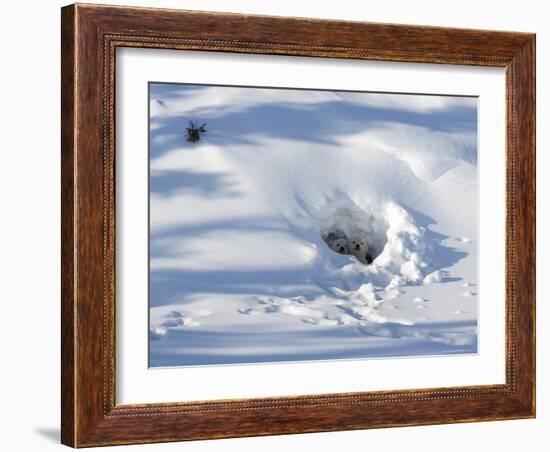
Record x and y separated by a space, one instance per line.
396 281
157 333
434 277
367 294
406 253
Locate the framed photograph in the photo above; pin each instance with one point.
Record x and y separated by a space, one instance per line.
282 225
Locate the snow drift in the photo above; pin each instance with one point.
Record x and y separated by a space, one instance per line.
240 270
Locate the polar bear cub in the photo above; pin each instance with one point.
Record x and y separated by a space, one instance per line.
339 245
359 248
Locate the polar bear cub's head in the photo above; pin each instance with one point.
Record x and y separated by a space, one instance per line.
358 244
340 246
359 247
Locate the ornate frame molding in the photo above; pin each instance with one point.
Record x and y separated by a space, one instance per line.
90 36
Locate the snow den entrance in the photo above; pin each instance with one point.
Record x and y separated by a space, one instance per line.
397 246
357 232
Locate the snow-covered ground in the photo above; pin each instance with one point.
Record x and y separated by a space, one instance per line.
239 270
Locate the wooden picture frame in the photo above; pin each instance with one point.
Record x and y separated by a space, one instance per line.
90 36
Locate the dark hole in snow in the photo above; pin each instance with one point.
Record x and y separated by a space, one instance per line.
355 232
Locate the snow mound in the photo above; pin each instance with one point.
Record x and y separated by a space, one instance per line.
401 250
407 252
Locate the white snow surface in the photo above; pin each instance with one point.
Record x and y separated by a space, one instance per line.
239 272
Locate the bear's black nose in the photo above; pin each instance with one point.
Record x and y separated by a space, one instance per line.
357 247
341 249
